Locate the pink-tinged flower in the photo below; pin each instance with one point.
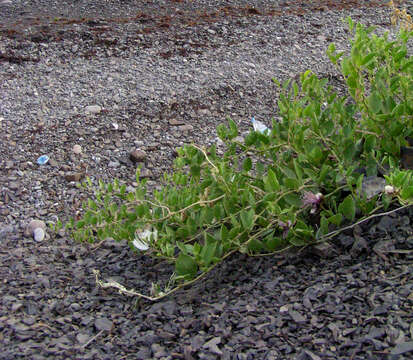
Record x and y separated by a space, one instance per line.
313 200
285 227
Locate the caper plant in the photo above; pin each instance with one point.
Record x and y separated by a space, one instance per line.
294 185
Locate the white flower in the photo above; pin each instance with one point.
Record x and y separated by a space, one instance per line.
259 126
388 189
143 239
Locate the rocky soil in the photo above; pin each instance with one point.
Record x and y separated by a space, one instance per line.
87 84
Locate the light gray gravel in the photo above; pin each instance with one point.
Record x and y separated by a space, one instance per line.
143 83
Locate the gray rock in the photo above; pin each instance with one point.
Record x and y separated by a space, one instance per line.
103 323
212 345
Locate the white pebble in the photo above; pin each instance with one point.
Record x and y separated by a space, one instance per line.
38 234
77 149
93 109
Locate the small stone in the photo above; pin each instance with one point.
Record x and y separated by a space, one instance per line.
53 162
137 156
103 324
38 234
16 306
152 146
9 164
323 250
212 345
284 309
186 127
403 348
82 338
77 149
372 186
4 231
74 176
13 185
114 164
33 225
176 122
93 109
297 317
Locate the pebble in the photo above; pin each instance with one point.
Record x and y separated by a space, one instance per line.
33 225
74 176
77 149
93 109
103 324
4 231
38 234
114 164
186 127
175 122
137 156
82 338
145 173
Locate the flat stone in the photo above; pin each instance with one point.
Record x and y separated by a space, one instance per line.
74 176
403 348
93 109
297 317
103 324
176 122
323 250
186 127
5 230
82 338
212 345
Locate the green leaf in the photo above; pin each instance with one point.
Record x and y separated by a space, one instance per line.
407 193
223 233
247 219
186 266
272 242
368 59
292 184
233 133
375 102
271 182
208 250
247 164
255 246
348 208
293 199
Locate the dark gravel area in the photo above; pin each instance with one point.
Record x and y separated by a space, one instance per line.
356 304
87 87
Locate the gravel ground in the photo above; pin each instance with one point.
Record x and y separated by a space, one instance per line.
149 77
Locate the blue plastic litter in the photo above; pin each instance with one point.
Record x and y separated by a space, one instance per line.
43 160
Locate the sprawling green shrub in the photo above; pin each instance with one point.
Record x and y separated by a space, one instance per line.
292 186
